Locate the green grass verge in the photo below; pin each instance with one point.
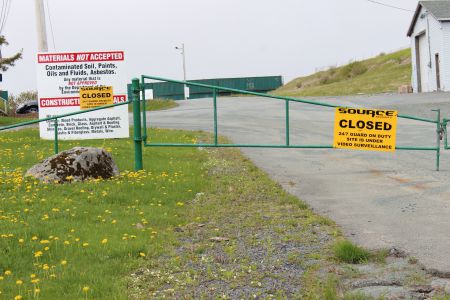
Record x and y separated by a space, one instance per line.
382 74
4 121
91 229
157 104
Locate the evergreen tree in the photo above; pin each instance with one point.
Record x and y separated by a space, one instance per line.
6 62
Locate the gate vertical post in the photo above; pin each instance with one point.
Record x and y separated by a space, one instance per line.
144 111
216 141
288 142
438 138
135 86
55 146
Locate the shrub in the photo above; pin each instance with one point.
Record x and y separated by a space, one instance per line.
15 101
324 80
358 68
347 252
353 69
332 70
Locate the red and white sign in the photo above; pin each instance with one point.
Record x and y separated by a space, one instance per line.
60 76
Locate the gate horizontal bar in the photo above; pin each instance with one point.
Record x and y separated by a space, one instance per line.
417 148
238 146
63 116
270 146
417 119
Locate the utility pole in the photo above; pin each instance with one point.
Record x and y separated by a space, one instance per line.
183 54
40 26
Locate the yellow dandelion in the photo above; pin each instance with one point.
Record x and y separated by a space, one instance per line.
19 282
85 289
18 297
104 241
8 272
21 241
64 262
38 254
1 277
85 244
37 290
142 254
34 238
32 276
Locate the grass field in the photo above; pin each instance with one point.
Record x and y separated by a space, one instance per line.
157 104
152 105
82 240
382 74
13 120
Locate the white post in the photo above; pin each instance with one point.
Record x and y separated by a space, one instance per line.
184 70
40 26
184 62
183 54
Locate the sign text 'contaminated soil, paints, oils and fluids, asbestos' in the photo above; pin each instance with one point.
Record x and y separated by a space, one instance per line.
92 97
61 78
365 129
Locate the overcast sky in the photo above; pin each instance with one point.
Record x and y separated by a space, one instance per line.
223 38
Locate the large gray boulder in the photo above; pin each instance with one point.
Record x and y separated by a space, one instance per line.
76 164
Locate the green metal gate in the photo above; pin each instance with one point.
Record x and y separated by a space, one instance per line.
138 89
139 86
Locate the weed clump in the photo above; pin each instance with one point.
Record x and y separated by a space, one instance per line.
345 251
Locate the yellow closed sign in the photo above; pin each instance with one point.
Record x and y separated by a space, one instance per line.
91 97
365 129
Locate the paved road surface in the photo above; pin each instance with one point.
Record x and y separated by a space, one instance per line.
379 199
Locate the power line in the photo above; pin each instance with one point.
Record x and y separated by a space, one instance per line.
1 14
5 15
391 6
6 6
51 26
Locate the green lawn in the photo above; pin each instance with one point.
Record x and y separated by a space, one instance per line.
157 104
382 74
13 120
151 105
56 240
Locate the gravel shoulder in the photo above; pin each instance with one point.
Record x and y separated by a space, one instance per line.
257 241
379 200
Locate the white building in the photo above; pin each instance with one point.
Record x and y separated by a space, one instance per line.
430 46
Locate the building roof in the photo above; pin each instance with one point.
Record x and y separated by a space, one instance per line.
439 9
